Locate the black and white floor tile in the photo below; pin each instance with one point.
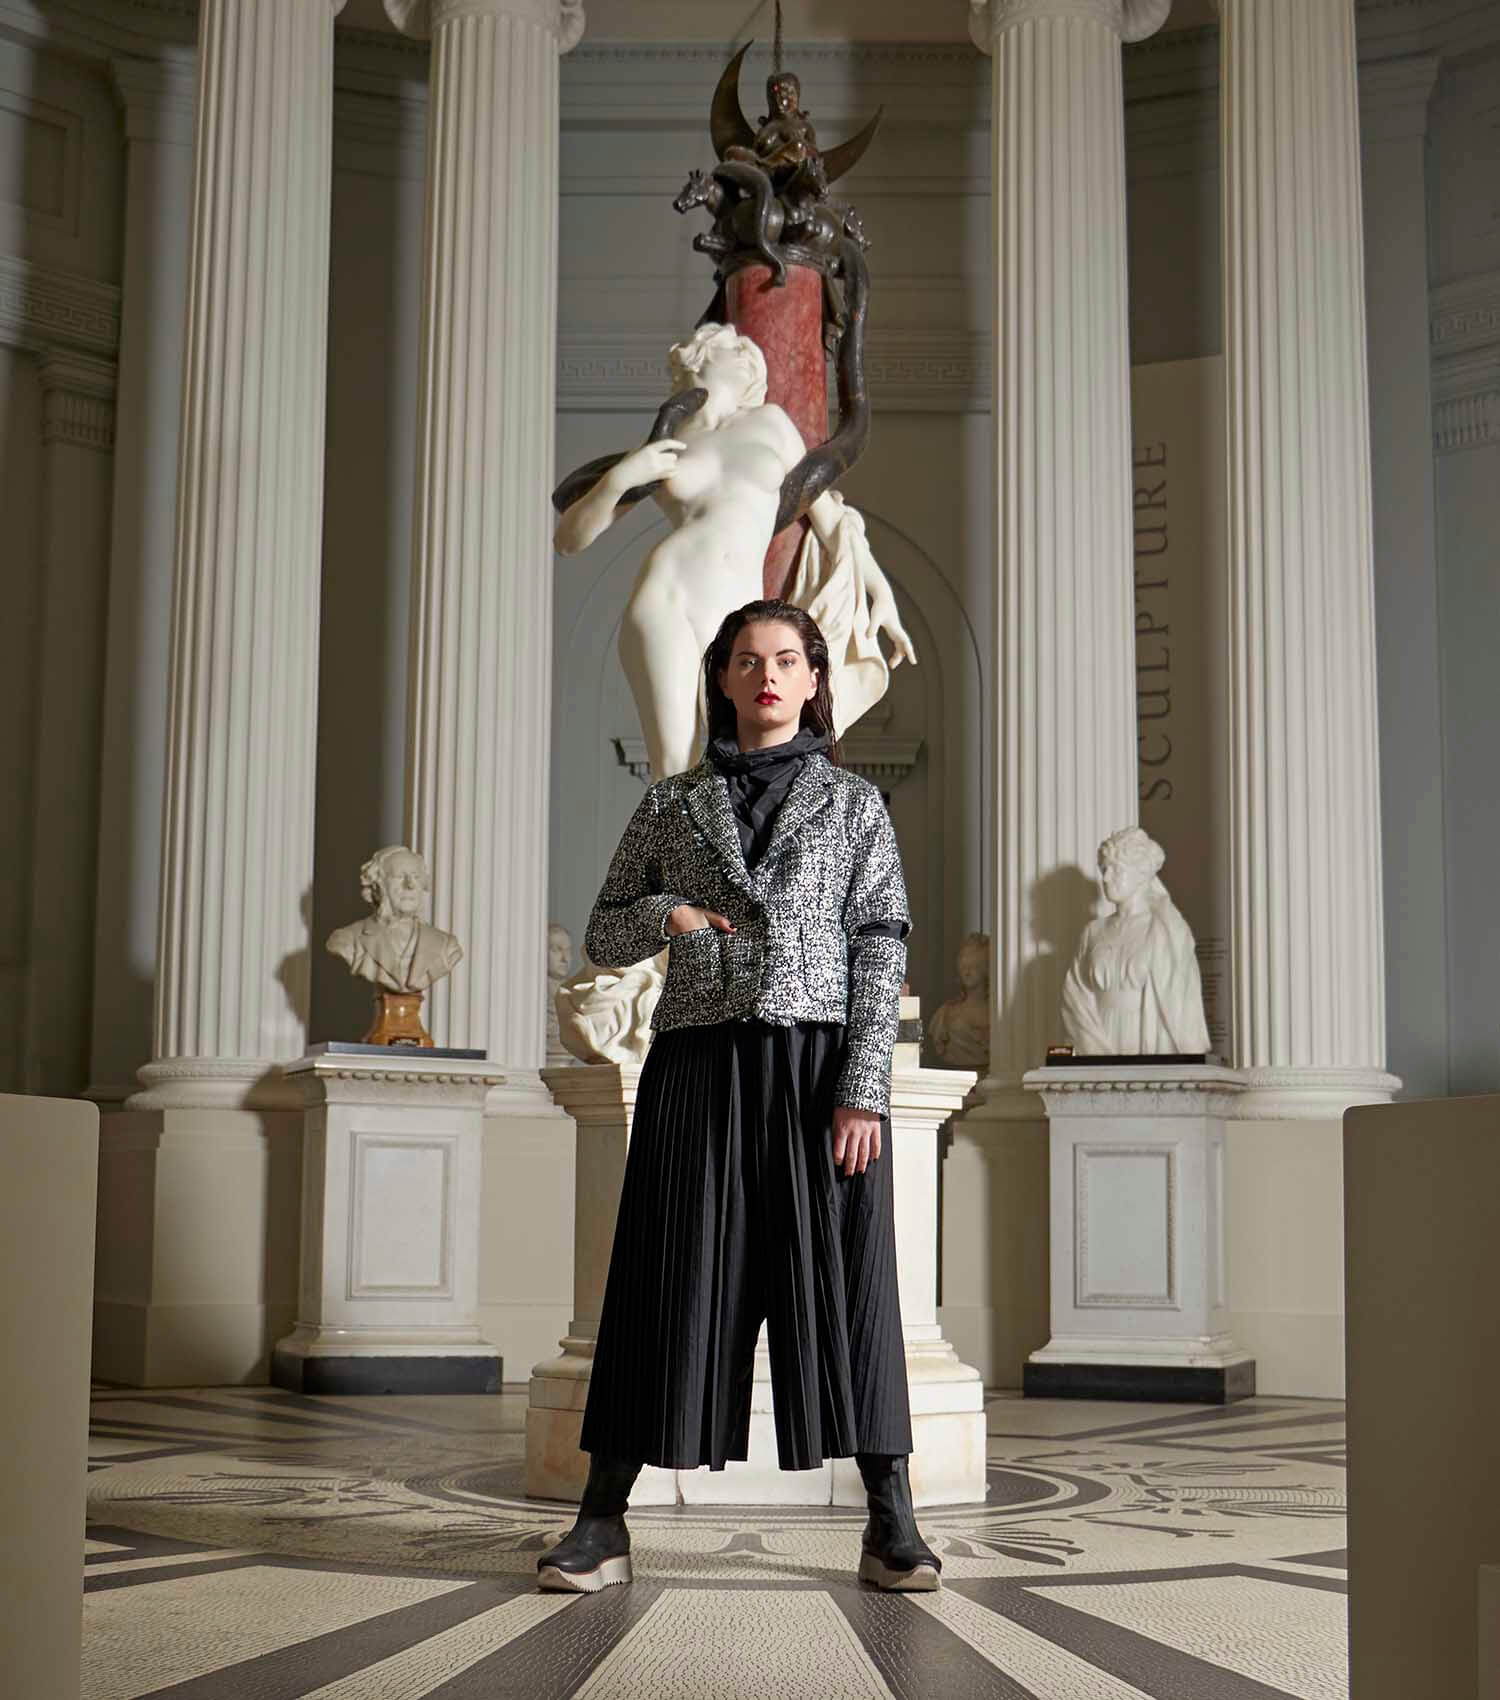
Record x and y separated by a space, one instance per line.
251 1544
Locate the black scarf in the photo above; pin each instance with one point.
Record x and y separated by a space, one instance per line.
759 780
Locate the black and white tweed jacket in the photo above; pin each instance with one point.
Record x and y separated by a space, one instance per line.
797 953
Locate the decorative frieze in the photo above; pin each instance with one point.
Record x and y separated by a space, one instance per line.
1466 314
41 309
1466 422
907 371
78 401
1465 340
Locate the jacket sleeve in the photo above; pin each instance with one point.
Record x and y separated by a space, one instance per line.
876 921
629 918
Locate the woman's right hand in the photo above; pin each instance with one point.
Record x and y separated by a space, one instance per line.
689 918
647 464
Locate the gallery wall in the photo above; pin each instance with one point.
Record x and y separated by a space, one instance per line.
87 650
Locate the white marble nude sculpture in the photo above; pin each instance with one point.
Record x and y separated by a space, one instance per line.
720 483
1134 988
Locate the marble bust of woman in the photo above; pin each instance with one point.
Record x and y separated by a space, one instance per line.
1134 987
959 1033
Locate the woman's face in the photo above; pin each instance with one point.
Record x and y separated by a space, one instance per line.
731 367
768 679
1121 880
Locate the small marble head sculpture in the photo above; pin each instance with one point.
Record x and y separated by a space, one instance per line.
392 947
1129 859
727 351
959 1032
394 881
559 952
1134 988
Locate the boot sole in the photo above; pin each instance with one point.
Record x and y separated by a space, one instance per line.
606 1575
923 1579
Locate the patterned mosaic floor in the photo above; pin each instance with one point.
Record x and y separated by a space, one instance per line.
250 1544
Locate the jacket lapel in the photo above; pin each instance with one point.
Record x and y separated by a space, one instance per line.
708 803
808 792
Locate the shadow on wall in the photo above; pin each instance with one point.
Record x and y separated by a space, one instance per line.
1059 906
294 971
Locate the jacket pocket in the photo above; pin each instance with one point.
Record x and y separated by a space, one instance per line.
694 966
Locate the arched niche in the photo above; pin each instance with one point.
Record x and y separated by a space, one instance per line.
923 744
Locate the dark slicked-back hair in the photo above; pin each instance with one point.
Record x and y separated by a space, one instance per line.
817 712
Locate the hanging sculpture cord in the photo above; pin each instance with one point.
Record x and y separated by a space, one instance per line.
791 275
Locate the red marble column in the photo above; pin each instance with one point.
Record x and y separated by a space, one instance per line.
786 324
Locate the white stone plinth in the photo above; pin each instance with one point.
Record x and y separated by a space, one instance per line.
947 1397
389 1285
1139 1307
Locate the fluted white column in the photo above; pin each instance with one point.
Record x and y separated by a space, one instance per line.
156 98
1306 949
1062 704
232 976
1064 701
480 679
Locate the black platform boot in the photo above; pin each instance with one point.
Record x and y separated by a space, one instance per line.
894 1555
596 1551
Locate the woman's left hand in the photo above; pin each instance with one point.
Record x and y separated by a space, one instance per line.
856 1138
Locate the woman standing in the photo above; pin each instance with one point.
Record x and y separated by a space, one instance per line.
754 1187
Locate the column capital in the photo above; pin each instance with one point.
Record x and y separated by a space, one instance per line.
157 96
423 18
1131 20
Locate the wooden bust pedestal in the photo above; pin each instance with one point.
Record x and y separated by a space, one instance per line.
398 1021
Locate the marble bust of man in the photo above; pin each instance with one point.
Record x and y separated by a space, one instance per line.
393 947
1134 988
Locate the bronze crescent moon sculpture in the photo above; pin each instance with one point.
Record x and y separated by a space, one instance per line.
728 126
836 161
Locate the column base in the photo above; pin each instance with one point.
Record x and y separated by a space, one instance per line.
214 1083
1167 1384
1310 1094
308 1366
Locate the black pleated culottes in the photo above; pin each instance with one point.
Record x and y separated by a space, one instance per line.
732 1212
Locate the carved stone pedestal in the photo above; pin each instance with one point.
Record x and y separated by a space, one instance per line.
947 1398
1137 1183
390 1228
